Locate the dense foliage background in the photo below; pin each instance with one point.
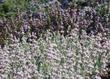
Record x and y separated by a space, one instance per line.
46 51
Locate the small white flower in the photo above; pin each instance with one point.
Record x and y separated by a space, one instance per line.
97 77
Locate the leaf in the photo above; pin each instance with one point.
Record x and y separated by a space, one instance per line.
98 61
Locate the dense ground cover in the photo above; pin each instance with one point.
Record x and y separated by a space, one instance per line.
56 57
54 40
